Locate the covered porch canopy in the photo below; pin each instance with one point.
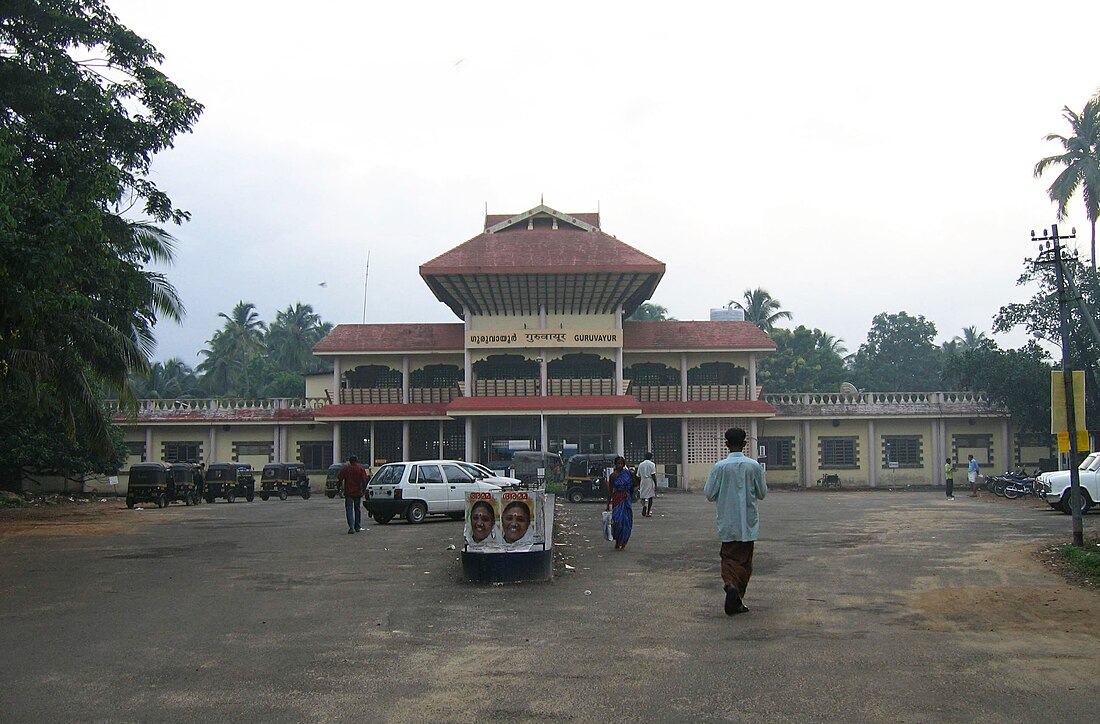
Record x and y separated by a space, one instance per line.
542 261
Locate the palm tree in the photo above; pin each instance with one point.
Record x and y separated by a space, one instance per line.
1082 165
761 308
971 339
648 311
168 380
292 335
830 343
231 348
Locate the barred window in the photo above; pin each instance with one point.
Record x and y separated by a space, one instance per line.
905 450
136 450
315 455
839 452
778 452
182 452
252 448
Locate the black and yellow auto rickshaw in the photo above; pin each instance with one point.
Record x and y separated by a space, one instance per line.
586 476
333 487
161 484
183 483
284 480
230 481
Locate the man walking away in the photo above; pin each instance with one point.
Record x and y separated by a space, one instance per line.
735 484
949 476
353 477
647 491
972 476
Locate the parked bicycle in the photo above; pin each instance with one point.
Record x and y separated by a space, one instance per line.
828 480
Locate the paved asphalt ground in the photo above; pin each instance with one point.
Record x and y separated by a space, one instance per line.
865 606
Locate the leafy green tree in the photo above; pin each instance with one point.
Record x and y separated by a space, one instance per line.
1018 379
1081 165
971 339
292 336
899 355
83 111
169 380
804 360
648 311
761 308
1039 316
226 367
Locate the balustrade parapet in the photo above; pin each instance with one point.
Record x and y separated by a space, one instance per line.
832 402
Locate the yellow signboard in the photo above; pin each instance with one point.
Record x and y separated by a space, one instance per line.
1058 401
544 338
1082 441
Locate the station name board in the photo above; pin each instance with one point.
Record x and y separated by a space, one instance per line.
526 338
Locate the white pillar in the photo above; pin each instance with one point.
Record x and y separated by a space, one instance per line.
754 439
471 450
467 365
649 435
405 378
212 452
275 444
618 387
872 454
684 453
683 377
371 454
441 455
542 372
149 446
752 376
337 453
620 437
404 439
804 454
1005 442
336 380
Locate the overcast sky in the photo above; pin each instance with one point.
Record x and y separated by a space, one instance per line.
849 157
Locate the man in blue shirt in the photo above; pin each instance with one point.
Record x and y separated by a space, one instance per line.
735 484
972 476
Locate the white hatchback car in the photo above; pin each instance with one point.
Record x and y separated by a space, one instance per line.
418 489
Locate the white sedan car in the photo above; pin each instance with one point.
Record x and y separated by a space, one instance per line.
1057 485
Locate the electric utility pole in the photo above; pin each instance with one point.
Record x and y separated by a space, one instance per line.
1051 252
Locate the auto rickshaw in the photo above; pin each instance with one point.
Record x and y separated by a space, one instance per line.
183 483
230 481
586 477
284 480
157 483
332 483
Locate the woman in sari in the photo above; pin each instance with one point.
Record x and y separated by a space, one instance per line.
620 487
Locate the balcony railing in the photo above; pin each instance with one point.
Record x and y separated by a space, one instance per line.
839 403
210 405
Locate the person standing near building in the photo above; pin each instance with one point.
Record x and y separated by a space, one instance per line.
949 476
972 475
736 484
647 489
353 477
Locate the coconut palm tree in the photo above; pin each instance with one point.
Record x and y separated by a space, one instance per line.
971 339
1081 160
647 311
241 338
292 335
169 380
830 343
761 308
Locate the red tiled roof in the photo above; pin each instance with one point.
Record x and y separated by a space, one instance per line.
674 335
389 410
731 408
519 250
620 403
392 338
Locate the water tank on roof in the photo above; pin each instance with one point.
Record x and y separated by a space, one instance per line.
727 314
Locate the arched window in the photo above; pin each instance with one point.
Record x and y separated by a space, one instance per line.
580 366
436 376
506 367
652 374
373 376
716 373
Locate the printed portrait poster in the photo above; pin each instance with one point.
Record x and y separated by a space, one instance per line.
521 519
483 520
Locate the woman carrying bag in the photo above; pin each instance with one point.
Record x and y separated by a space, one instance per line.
620 486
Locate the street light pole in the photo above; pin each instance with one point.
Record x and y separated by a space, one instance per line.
1051 252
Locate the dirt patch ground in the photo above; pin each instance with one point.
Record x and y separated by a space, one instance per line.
76 516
